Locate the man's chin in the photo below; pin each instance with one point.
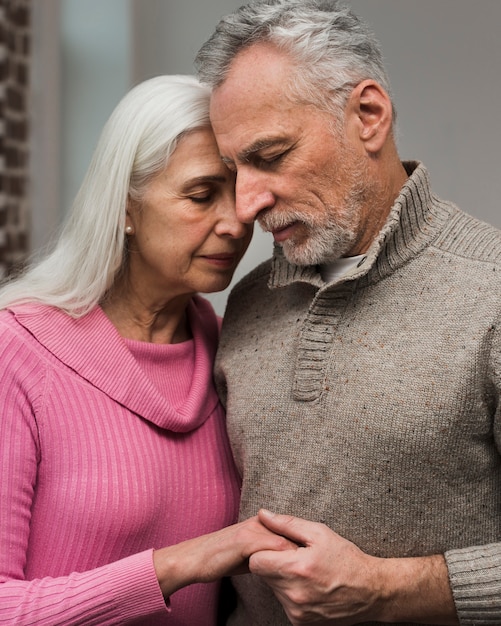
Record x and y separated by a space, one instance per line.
296 256
304 257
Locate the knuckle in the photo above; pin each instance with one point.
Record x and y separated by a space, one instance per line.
296 615
298 599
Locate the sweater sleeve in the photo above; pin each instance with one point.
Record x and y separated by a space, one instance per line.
475 577
475 571
118 593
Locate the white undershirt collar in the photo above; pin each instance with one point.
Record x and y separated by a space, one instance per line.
339 268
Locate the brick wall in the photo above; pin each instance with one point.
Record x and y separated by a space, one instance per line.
15 48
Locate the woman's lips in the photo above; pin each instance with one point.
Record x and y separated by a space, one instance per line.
221 259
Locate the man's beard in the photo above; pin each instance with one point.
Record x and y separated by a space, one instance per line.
323 243
333 234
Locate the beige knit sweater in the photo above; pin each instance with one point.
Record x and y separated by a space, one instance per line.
372 403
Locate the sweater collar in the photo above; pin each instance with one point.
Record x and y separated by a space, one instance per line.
92 347
415 220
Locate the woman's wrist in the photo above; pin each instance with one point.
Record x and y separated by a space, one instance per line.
173 568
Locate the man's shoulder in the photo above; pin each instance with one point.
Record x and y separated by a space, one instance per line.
249 297
255 279
470 238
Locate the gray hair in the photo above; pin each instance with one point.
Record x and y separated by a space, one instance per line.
135 144
332 48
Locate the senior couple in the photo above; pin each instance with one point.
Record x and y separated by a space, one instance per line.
359 367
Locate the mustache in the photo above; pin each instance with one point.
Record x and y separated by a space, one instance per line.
271 221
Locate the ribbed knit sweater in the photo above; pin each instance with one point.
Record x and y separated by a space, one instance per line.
108 449
372 403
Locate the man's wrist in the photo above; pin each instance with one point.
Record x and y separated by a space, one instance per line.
415 589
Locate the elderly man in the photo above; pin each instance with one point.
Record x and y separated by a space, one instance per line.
360 365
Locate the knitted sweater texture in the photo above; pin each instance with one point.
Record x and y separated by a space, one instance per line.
372 403
98 468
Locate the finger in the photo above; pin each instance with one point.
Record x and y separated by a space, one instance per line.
294 528
270 563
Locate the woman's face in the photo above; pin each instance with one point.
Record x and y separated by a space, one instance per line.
185 234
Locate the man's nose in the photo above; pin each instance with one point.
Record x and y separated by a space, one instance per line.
253 195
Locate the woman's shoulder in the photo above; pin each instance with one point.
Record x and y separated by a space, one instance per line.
16 321
22 358
36 327
9 324
17 312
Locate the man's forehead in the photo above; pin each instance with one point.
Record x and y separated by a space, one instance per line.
248 136
256 70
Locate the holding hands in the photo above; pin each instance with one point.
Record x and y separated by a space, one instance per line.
318 576
326 579
210 557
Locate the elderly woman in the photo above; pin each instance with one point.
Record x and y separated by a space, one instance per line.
117 477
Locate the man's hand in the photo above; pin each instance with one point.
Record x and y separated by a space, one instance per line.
329 580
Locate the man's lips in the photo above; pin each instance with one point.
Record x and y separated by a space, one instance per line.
281 234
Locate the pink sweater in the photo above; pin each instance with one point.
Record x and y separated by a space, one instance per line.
99 465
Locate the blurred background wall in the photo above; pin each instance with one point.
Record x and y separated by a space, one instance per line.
15 112
443 58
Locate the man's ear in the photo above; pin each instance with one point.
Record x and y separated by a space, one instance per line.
371 111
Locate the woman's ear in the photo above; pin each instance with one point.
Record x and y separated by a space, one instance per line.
130 216
129 227
371 112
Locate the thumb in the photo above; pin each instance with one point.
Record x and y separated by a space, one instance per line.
293 528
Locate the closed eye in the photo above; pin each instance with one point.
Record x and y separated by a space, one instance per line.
268 159
264 162
201 199
274 159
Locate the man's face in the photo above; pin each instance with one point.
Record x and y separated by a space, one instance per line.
300 179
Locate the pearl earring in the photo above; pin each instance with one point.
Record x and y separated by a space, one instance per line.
128 230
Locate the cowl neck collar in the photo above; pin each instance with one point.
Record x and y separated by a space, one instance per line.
92 347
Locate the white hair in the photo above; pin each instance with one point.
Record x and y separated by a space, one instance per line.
135 144
332 48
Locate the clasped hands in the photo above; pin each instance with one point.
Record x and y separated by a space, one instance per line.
318 576
325 579
321 577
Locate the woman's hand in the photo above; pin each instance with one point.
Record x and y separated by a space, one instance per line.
210 557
